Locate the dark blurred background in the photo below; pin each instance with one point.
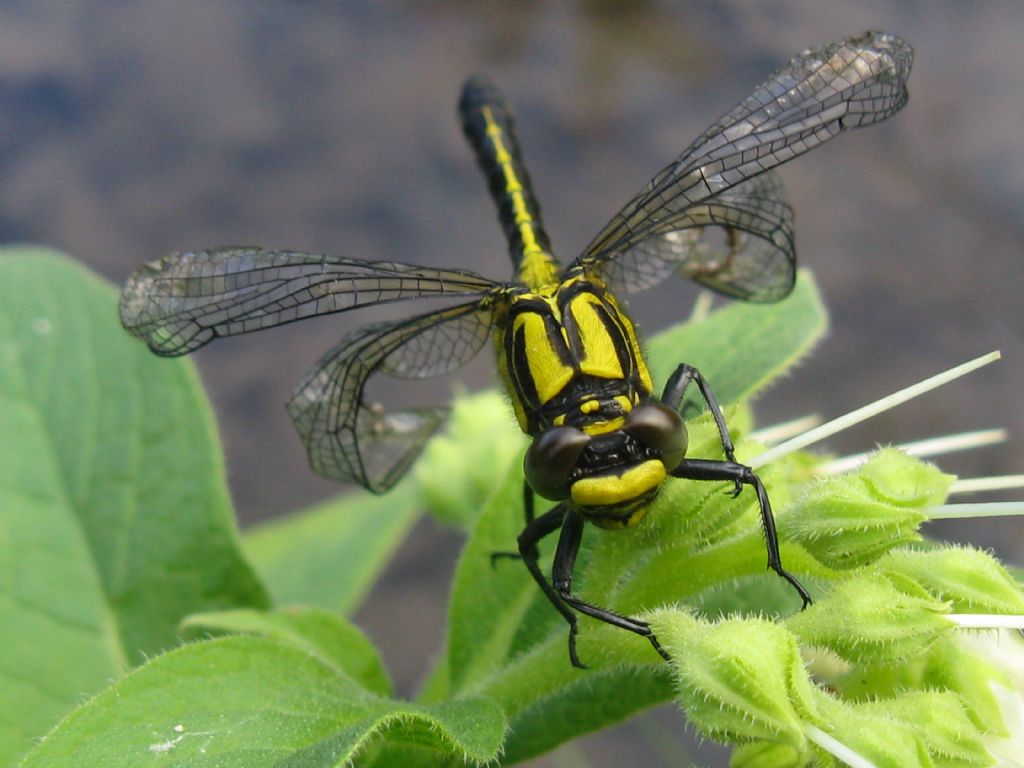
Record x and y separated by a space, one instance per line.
128 130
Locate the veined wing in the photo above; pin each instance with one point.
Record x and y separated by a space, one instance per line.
756 261
350 439
179 303
820 93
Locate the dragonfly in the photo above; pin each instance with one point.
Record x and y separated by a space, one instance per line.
602 442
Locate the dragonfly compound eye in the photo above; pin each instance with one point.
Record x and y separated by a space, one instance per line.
659 427
550 460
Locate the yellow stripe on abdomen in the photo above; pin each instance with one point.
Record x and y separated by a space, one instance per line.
537 269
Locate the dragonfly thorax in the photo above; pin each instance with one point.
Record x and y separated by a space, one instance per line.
569 355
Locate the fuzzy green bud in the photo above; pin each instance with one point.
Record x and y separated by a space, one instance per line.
940 722
738 679
900 479
972 580
865 618
884 743
952 666
852 520
872 733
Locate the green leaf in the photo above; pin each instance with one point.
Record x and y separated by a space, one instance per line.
249 702
594 700
319 633
331 554
489 598
742 347
457 470
548 702
115 520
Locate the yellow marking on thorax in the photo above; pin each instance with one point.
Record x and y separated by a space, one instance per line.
547 371
538 269
601 358
634 343
506 376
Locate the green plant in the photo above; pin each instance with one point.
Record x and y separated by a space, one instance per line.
122 578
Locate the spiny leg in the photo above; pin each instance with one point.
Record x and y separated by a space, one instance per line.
675 389
706 469
534 531
528 513
565 559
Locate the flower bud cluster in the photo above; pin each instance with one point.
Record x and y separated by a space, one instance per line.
891 682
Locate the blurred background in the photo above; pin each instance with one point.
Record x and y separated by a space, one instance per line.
129 130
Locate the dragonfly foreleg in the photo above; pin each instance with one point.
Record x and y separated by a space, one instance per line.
706 469
528 513
565 560
534 531
675 389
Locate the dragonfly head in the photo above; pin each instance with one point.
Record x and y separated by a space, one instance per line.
612 477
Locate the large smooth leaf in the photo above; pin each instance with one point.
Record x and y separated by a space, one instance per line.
331 554
115 520
742 347
254 702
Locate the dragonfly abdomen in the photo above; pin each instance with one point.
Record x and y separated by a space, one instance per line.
489 127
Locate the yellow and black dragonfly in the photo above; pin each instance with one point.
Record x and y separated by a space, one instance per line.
603 443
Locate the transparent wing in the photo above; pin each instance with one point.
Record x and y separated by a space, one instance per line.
820 93
349 438
755 261
183 301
